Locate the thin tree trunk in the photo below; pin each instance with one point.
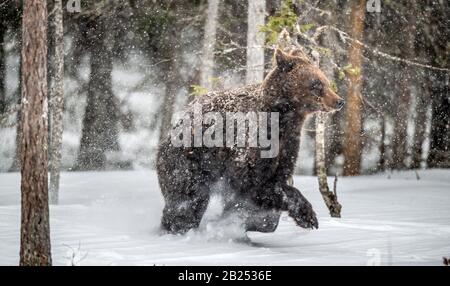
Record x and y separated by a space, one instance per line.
35 226
439 155
333 135
2 68
329 198
422 101
399 142
172 77
172 86
15 166
255 41
403 98
333 146
100 123
209 42
352 136
382 147
56 102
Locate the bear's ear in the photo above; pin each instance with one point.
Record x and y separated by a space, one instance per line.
298 53
301 55
284 61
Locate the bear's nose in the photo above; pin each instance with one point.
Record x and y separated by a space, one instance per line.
340 103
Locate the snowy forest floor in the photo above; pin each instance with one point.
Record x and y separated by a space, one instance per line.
112 218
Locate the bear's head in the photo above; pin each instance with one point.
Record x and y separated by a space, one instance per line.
304 83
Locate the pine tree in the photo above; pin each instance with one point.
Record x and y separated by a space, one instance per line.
326 40
100 132
209 42
35 226
403 96
438 30
439 156
56 101
352 137
2 68
255 41
421 110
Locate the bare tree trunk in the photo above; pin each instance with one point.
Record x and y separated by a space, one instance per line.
172 85
399 142
403 99
334 130
329 198
439 155
422 101
209 42
35 226
381 165
56 102
333 145
2 68
352 135
15 166
100 123
255 41
172 78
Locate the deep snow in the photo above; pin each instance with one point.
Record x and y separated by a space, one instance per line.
112 218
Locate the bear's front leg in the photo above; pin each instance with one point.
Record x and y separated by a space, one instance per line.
282 197
299 208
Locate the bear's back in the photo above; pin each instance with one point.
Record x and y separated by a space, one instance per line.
242 99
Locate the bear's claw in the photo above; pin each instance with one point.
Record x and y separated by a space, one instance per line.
304 215
307 221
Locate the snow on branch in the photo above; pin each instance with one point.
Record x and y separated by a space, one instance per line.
345 37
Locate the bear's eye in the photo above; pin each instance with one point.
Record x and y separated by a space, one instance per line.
316 87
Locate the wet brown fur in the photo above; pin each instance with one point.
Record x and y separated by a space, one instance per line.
255 188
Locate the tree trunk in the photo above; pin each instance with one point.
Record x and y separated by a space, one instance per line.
403 98
422 101
329 198
352 136
255 41
15 166
439 155
209 42
402 101
172 77
56 101
172 85
381 165
35 227
2 68
333 146
100 123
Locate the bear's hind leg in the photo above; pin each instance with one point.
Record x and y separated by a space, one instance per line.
254 218
262 221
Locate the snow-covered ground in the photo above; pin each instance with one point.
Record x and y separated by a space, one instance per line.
112 218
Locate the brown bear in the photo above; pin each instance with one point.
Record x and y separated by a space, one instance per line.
253 186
